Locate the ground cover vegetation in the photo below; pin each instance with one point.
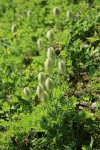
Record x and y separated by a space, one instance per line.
50 75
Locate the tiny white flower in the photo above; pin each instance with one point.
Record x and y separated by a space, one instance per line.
94 105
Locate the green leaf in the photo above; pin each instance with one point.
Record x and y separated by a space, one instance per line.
5 106
83 148
92 141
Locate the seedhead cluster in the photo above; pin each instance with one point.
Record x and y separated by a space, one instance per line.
46 81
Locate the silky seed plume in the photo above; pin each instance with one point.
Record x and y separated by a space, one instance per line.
61 67
69 15
56 11
40 44
26 92
49 65
51 53
50 35
39 90
49 84
44 97
14 28
29 13
41 78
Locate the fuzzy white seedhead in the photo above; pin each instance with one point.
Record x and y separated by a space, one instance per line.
44 97
61 67
14 28
49 84
40 44
56 11
69 15
49 65
29 13
39 90
26 92
51 53
41 78
50 35
77 16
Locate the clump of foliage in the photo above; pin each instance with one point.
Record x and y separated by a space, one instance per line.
50 75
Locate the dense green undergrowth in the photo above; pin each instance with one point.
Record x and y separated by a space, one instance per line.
70 119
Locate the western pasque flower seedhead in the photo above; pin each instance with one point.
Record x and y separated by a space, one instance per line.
39 90
50 35
69 15
14 28
51 53
45 97
29 13
49 84
41 78
48 65
40 43
77 16
56 11
61 67
26 92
